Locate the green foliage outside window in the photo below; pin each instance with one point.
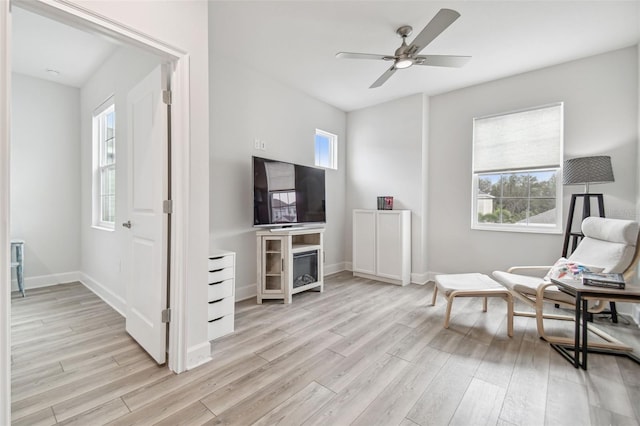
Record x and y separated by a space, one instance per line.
517 197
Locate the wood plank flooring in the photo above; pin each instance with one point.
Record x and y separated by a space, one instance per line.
361 353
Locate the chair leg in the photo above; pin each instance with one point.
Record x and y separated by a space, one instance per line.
435 293
509 299
484 304
448 313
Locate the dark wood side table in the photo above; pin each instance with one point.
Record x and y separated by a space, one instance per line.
583 294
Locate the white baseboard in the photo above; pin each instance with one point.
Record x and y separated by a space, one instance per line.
335 268
47 280
416 278
112 299
246 292
420 278
198 355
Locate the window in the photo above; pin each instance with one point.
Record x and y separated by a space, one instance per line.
104 176
326 149
516 171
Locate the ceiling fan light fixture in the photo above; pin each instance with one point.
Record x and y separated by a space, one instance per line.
403 63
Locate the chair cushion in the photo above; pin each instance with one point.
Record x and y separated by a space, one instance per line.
612 230
528 285
448 283
608 243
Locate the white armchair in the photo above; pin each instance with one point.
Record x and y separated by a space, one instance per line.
609 245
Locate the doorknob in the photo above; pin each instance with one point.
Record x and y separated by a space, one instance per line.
127 224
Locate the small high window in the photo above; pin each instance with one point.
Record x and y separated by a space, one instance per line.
326 150
104 169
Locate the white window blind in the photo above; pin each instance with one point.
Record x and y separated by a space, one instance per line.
529 139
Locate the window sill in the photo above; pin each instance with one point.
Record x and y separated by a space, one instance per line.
515 228
104 228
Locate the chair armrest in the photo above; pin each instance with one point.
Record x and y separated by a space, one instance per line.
535 271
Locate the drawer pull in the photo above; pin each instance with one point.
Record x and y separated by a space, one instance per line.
217 282
216 258
216 301
217 270
217 319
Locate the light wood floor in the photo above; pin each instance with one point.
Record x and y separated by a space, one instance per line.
361 353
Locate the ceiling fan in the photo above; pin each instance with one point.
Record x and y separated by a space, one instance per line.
407 55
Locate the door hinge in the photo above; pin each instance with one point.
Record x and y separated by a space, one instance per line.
166 315
166 97
167 206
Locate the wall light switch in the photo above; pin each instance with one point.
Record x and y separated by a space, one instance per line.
263 145
256 143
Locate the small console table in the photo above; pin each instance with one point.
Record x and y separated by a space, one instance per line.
577 353
290 260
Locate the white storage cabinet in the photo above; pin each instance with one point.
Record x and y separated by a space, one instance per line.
382 245
221 293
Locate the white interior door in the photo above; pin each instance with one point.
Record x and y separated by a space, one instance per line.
148 186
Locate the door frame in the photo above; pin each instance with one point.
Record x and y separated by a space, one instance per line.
77 16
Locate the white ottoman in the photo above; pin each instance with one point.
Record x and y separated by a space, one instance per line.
472 285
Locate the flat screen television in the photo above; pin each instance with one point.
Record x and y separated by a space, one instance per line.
287 194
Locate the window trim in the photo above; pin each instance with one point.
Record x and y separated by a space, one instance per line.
333 150
99 169
510 227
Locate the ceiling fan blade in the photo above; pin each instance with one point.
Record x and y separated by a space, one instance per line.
442 60
350 55
438 24
384 77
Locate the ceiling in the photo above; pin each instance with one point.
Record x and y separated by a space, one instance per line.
40 44
295 42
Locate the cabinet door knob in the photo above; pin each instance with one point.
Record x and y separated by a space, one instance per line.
127 224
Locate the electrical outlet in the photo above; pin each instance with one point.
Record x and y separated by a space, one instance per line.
263 145
256 143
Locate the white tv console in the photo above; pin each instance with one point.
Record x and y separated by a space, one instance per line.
289 261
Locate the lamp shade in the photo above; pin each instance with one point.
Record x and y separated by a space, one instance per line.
586 170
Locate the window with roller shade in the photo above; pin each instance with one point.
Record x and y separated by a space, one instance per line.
517 159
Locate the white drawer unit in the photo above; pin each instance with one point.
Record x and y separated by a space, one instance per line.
220 262
221 293
220 326
218 275
220 308
220 289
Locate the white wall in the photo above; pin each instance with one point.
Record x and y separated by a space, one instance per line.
104 260
45 178
600 97
385 150
246 105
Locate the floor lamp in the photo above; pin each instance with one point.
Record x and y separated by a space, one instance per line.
585 171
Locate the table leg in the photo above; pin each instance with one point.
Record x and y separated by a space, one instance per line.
576 341
585 315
